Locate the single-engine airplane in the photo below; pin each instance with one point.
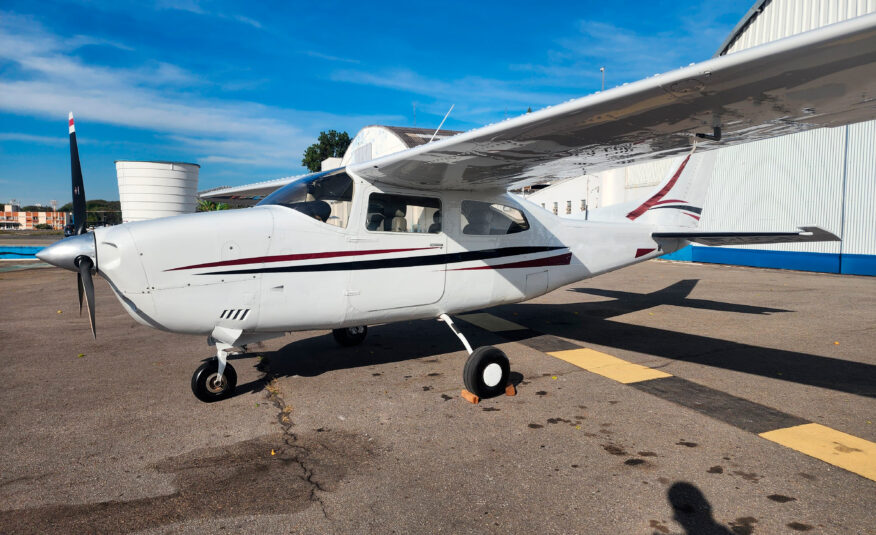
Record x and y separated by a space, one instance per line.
431 231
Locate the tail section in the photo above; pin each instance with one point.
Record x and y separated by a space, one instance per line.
679 199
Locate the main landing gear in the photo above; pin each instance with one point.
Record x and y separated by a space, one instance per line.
350 336
487 370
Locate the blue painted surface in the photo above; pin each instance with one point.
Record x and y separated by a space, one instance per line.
684 254
858 264
18 253
821 262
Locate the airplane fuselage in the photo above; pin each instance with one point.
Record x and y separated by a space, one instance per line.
272 269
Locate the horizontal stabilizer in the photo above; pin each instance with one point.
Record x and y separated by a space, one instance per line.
805 234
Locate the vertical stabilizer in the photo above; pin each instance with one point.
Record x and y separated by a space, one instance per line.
678 201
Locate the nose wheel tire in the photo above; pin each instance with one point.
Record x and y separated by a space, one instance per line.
209 386
486 372
350 336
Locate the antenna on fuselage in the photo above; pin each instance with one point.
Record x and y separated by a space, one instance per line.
442 122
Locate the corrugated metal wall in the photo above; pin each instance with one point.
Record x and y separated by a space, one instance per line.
778 184
782 18
859 221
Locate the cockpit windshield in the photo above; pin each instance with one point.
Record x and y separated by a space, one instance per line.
326 197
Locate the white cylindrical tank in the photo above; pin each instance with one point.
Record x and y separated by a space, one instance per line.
148 190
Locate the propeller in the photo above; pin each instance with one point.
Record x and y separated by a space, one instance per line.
79 215
86 285
78 252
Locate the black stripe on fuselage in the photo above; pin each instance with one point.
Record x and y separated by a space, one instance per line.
693 209
409 261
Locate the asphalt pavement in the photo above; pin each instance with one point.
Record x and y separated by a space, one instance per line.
106 436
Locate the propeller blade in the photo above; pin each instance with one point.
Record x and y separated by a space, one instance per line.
79 287
85 266
78 186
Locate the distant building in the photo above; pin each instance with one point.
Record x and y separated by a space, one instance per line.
13 218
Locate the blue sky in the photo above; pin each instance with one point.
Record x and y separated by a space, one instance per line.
243 88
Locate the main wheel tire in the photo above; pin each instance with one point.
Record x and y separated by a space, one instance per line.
486 372
209 386
350 336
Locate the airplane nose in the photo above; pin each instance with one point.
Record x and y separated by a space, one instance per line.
64 253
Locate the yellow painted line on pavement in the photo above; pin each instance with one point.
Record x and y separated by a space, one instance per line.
609 366
490 322
829 445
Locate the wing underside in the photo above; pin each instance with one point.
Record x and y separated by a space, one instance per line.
805 234
822 78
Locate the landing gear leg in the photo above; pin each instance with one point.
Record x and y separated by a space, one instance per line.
487 369
215 379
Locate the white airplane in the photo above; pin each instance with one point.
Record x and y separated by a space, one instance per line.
431 231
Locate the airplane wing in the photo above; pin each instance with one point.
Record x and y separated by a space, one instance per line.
248 194
751 238
821 78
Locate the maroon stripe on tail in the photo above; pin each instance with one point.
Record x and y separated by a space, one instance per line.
642 252
561 260
645 206
293 257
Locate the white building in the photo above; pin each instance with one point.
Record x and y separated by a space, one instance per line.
823 177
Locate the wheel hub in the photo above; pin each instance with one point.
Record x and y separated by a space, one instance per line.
492 374
216 383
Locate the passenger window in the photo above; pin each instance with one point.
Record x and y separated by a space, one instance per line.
326 197
403 213
483 218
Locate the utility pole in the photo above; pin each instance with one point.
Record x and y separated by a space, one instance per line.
602 70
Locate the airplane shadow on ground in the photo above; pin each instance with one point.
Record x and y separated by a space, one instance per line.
385 344
588 323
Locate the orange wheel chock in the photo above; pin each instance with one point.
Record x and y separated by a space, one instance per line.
471 398
510 390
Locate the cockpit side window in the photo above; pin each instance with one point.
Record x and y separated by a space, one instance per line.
403 213
326 197
484 218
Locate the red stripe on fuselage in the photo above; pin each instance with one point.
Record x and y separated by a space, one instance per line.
293 257
561 260
643 252
659 195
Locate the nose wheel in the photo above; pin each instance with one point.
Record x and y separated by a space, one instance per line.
209 385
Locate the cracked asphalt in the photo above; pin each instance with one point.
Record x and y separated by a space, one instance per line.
105 436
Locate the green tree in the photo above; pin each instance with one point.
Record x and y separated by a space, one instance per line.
331 144
209 206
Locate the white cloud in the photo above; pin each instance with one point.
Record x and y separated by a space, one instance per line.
475 98
328 57
152 97
29 138
197 7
